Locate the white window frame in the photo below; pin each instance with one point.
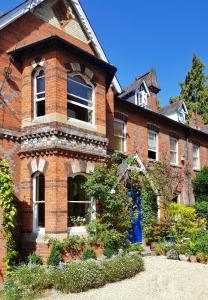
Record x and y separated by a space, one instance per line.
174 151
81 229
35 94
196 157
92 108
124 135
142 98
36 229
156 146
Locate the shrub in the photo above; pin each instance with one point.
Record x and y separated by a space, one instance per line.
149 207
163 247
157 231
34 259
55 256
108 252
200 242
184 222
95 231
201 257
202 210
119 268
135 247
115 240
200 185
89 253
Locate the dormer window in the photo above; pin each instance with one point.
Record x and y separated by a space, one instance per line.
181 117
142 98
39 93
80 99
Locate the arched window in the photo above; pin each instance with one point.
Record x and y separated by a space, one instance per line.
80 99
38 202
78 202
39 93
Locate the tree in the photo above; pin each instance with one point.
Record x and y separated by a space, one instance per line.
200 185
194 90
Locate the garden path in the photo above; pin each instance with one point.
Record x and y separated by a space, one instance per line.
162 279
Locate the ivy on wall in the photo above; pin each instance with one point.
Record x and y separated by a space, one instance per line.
9 214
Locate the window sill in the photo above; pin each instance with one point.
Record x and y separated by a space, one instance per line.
196 169
175 165
79 230
81 124
152 159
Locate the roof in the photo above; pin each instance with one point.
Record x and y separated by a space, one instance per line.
187 128
205 129
150 78
172 108
28 5
55 41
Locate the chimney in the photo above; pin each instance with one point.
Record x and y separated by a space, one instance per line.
196 121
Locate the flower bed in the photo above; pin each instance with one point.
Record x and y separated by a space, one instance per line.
30 281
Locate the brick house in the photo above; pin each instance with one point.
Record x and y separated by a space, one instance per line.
62 110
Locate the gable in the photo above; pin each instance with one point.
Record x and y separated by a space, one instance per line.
61 14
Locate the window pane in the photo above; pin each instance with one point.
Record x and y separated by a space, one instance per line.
41 214
152 140
173 157
40 108
118 144
152 155
79 89
173 144
79 113
78 214
40 84
118 129
79 101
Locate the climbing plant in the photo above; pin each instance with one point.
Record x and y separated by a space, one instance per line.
9 214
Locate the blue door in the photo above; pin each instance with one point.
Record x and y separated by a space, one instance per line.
135 233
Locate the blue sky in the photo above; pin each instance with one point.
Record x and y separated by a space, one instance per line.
138 35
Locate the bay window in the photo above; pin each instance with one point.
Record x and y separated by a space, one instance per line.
79 204
80 104
39 93
119 136
152 145
173 150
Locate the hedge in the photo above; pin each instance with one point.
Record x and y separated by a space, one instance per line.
76 276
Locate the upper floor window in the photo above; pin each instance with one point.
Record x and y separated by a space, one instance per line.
173 150
38 202
119 136
152 145
195 157
142 98
39 93
80 99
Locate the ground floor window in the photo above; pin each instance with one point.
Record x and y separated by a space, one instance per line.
38 202
79 205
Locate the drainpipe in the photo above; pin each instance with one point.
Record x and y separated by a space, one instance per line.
188 157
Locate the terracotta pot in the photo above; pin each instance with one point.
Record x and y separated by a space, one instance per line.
153 246
193 259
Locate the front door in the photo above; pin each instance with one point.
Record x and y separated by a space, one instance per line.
135 233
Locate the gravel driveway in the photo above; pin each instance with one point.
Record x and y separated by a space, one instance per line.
163 279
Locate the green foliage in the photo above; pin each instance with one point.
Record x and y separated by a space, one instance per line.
109 252
135 247
123 267
89 253
200 243
111 226
149 207
95 231
9 214
201 257
194 90
157 231
202 210
200 185
77 276
34 259
163 247
184 222
55 256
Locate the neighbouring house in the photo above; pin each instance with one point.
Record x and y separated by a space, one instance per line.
62 110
